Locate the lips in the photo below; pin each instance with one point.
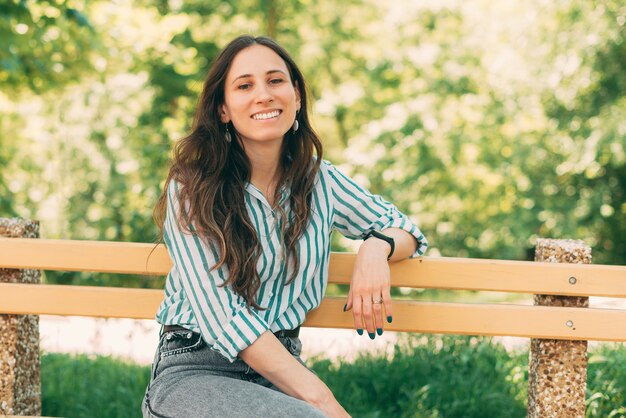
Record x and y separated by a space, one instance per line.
265 115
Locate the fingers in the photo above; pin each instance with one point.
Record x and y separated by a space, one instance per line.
370 324
388 304
370 283
378 314
370 314
348 305
362 314
356 313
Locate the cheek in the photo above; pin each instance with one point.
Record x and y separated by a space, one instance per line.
292 100
233 108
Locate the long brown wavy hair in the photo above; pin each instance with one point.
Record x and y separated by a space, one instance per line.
212 174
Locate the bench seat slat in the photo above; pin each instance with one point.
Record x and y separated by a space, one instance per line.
429 317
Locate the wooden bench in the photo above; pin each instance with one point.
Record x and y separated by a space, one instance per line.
555 325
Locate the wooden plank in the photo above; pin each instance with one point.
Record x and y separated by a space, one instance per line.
516 276
487 319
424 272
92 256
496 275
427 317
94 301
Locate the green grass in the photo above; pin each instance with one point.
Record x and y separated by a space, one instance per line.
91 386
427 376
606 381
431 377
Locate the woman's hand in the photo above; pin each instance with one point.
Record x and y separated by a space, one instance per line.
371 282
330 407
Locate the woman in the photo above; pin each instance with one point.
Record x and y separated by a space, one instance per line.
246 215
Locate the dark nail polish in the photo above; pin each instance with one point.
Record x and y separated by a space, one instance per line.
359 331
389 319
372 335
379 331
344 307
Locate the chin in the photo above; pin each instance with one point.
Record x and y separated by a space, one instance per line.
266 137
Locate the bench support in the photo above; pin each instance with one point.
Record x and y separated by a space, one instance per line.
557 378
20 386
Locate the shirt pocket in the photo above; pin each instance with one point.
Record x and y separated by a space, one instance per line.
294 345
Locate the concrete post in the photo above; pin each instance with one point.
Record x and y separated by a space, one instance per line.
20 385
557 377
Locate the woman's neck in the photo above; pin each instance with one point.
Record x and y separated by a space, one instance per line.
265 166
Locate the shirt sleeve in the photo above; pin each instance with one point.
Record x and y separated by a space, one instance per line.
356 211
223 318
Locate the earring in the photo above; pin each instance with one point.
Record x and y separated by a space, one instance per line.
295 126
227 134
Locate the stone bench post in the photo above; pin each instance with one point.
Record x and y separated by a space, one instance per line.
557 379
20 386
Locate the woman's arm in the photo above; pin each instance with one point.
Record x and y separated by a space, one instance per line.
356 212
268 357
404 242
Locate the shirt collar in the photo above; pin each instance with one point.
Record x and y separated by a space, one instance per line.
254 191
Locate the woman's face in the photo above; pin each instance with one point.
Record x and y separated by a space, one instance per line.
259 97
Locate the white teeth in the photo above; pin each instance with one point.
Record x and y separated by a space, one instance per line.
269 115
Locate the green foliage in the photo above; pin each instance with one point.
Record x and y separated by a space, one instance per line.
431 377
44 44
91 386
606 382
503 132
427 376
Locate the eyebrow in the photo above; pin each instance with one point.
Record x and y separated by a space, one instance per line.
250 75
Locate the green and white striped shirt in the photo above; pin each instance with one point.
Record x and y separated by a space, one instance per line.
194 300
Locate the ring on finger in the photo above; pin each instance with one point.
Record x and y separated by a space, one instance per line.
377 301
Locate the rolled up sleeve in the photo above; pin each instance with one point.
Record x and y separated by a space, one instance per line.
224 321
356 211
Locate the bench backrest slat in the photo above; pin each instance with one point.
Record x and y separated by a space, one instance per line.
425 272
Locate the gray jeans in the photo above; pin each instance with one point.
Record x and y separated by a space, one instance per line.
192 381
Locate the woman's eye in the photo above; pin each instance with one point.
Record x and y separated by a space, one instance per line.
244 86
276 80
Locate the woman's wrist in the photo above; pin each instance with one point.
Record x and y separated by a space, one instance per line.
312 389
320 396
375 247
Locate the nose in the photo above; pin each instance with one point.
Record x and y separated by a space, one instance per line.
264 95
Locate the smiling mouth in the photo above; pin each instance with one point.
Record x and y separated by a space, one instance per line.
266 115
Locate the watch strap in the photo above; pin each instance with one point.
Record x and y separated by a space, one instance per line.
384 237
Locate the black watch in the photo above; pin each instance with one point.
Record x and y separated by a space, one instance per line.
384 238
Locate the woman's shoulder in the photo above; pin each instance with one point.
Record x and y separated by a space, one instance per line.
330 170
173 186
326 171
326 166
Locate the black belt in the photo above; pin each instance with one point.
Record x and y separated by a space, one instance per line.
291 333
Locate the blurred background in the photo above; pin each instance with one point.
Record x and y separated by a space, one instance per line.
490 123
